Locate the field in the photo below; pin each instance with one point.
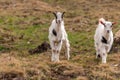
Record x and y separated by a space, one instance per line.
24 25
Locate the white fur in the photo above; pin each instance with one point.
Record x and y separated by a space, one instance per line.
61 35
101 48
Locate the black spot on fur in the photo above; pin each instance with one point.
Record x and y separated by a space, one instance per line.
104 40
54 32
98 56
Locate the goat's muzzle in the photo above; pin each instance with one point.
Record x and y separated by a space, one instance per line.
108 31
58 21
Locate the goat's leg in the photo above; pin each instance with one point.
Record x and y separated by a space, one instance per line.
98 53
53 55
57 56
110 44
53 51
58 49
104 55
97 50
68 49
109 48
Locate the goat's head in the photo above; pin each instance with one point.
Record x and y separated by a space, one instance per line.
58 17
107 25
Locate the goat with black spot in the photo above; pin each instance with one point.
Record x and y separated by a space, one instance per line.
103 38
58 35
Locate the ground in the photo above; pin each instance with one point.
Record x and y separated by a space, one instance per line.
24 25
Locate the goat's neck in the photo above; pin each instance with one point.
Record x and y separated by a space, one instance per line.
58 27
106 35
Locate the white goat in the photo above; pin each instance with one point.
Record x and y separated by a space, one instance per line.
103 38
57 35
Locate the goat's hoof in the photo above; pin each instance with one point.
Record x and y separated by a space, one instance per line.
68 58
104 62
52 60
57 62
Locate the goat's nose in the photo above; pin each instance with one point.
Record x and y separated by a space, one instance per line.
59 21
108 31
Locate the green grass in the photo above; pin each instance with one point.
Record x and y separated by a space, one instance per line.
2 48
82 41
31 33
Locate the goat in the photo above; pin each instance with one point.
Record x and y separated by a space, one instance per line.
58 35
103 38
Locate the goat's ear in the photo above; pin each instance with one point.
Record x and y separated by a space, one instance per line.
113 23
55 15
102 23
63 14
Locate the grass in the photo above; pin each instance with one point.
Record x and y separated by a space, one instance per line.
2 49
31 33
